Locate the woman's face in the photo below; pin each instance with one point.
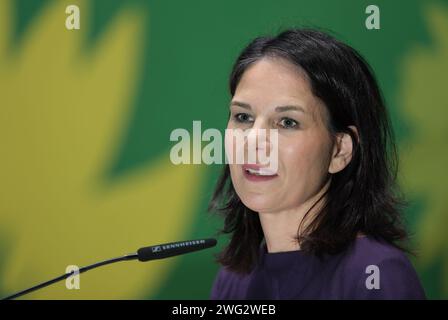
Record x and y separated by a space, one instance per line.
274 94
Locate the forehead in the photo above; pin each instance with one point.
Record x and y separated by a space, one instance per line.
270 82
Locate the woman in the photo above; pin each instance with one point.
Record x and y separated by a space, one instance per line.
326 224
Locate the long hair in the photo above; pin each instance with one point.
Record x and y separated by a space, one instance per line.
363 197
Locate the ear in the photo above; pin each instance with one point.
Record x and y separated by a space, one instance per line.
342 151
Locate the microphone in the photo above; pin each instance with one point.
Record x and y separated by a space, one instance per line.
160 251
167 250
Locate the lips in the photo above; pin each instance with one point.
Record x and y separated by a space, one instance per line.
255 172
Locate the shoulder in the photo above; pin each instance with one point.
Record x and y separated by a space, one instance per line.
229 285
374 269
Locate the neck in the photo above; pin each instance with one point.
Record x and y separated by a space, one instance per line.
281 228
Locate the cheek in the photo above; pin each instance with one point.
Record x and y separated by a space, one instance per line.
292 157
229 145
304 156
237 178
230 149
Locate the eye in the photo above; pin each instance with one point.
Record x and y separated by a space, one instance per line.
243 118
288 123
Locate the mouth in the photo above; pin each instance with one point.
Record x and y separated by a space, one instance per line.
257 173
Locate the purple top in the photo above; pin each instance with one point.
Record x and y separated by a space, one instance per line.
297 275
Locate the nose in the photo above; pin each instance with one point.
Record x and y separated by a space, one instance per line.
257 137
257 140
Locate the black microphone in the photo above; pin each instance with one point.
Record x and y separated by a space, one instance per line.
160 251
167 250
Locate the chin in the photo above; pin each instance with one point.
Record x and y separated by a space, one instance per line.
258 202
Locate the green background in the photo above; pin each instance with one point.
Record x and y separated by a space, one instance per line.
187 50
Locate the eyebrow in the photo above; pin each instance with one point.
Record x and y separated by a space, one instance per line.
277 109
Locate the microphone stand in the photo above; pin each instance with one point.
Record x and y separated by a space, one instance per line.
161 251
127 257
